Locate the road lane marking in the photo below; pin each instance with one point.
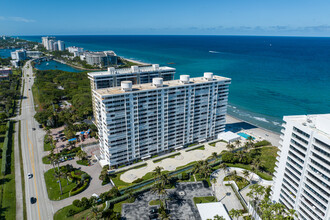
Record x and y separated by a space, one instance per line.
32 162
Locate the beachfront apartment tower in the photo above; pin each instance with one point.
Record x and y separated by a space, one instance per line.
45 42
137 75
61 45
302 177
138 121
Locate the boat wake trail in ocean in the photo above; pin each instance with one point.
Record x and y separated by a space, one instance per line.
212 51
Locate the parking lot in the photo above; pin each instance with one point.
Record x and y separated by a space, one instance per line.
180 202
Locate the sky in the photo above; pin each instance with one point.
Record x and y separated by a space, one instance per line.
174 17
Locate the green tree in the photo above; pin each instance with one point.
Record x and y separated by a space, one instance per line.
58 174
81 154
157 172
235 213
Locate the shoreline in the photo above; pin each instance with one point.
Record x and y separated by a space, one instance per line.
253 130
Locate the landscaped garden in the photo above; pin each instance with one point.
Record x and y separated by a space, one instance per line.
197 148
205 199
65 181
240 181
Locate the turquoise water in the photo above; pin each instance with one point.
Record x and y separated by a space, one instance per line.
4 53
53 65
246 136
271 76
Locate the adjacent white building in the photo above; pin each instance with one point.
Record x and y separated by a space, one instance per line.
103 58
77 51
138 121
138 75
302 177
18 55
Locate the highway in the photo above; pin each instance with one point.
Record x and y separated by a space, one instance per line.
32 152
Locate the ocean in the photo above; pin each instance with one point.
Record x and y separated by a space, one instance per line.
271 76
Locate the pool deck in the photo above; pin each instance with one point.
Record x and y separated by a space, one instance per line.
236 125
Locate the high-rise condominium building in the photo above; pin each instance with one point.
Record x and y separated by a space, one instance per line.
302 177
138 121
45 42
61 45
137 75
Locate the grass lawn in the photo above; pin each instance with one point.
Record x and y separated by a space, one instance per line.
117 207
46 160
240 181
265 176
267 158
172 156
84 162
53 188
61 214
197 148
206 199
214 142
7 186
155 202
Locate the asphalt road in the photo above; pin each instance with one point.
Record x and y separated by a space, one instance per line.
32 151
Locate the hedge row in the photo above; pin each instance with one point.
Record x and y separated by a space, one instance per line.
79 190
5 149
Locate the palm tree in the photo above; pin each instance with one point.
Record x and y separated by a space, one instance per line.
235 213
230 147
240 154
164 179
292 214
159 189
58 174
205 170
246 173
217 217
214 156
197 167
81 154
250 139
256 163
238 143
52 158
157 172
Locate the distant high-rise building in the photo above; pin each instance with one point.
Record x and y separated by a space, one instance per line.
77 51
103 59
302 176
61 45
45 42
51 45
139 121
55 46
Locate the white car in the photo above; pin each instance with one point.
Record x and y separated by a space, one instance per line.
30 175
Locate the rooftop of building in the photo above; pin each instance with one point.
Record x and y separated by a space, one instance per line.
133 69
151 86
320 122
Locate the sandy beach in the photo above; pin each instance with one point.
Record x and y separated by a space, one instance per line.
135 61
234 124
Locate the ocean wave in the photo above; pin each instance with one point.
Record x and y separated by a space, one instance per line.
276 123
212 51
261 119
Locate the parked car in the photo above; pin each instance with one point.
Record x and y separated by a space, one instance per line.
30 175
33 129
33 200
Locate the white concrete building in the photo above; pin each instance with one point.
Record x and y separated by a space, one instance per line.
61 45
137 75
77 51
45 42
102 59
18 55
138 121
302 177
33 54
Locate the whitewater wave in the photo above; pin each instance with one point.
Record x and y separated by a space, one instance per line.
261 119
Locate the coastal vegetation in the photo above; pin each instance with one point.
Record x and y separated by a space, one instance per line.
53 87
65 181
7 175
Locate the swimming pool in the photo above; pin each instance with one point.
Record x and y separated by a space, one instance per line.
246 136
